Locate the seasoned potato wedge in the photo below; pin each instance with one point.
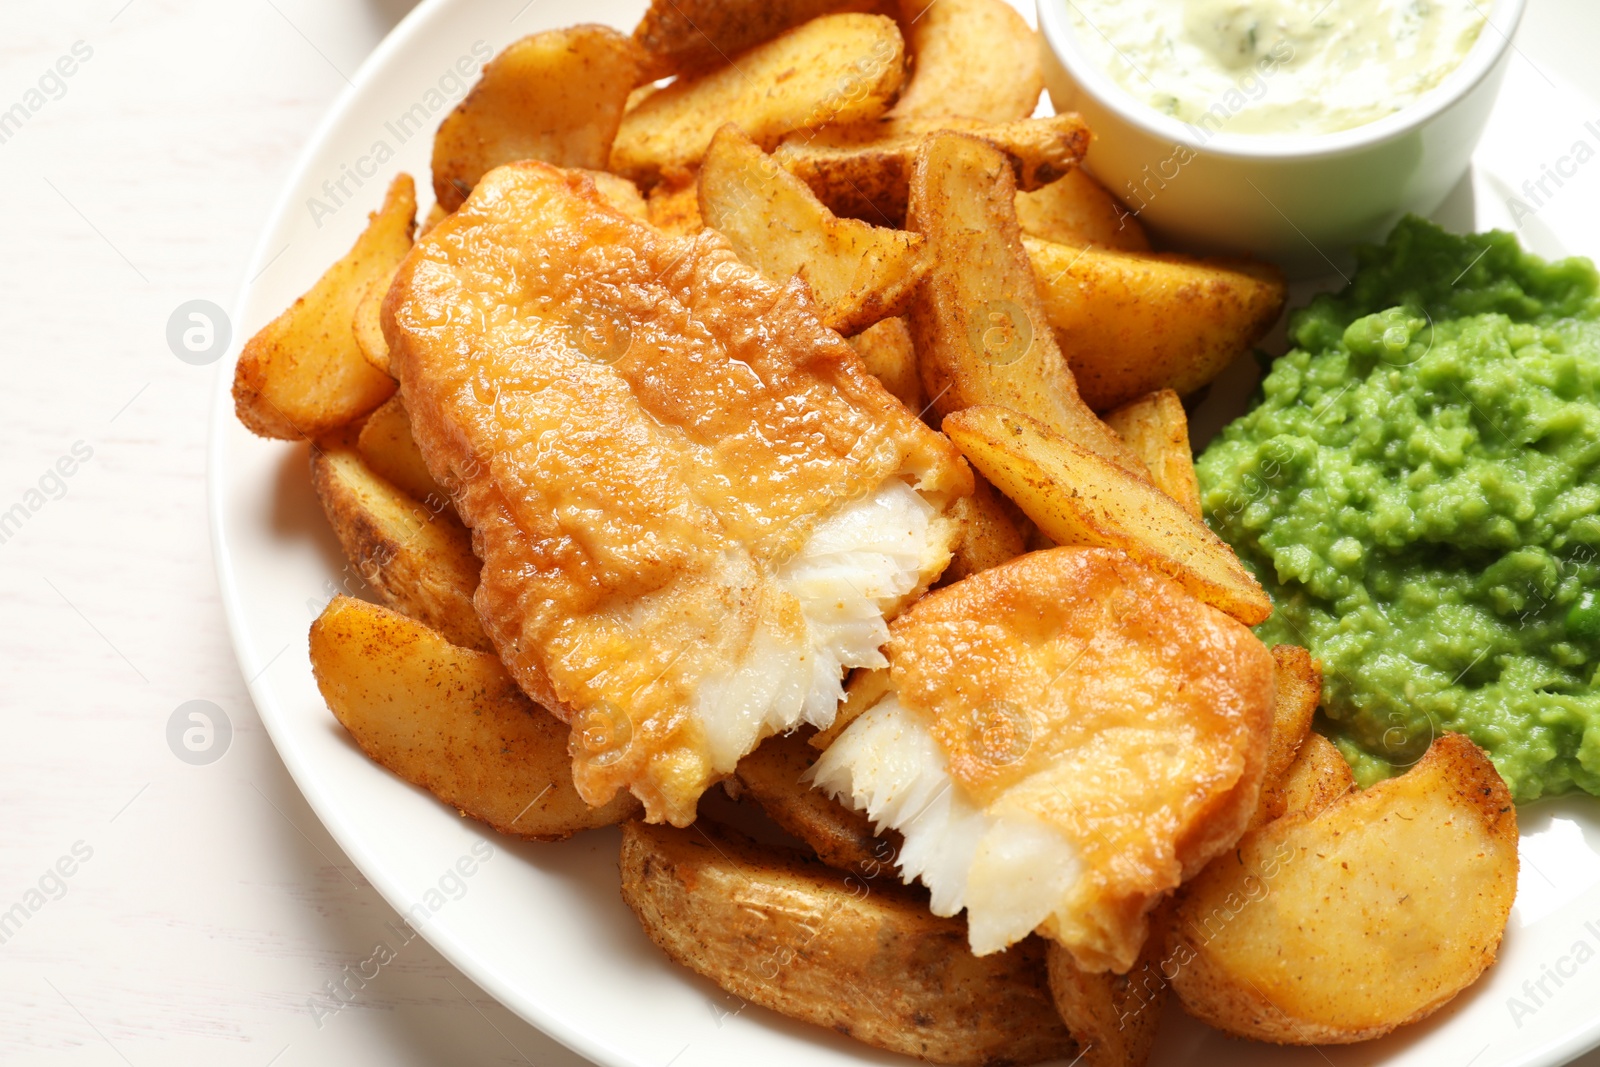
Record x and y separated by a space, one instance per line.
817 945
890 356
837 68
975 58
1079 498
304 375
1157 429
1131 323
452 721
1318 777
865 688
368 322
621 194
979 327
1115 1017
858 274
988 536
693 36
1076 210
1297 685
863 170
417 556
555 96
389 450
840 836
674 203
1372 914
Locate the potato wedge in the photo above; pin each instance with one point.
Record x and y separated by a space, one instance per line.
812 943
303 375
988 537
865 688
390 452
1157 429
621 194
1297 683
979 327
837 68
1076 210
688 37
863 170
1115 1017
1372 914
674 203
858 274
1132 323
368 324
1079 498
417 556
887 352
840 836
975 58
555 96
452 721
1318 777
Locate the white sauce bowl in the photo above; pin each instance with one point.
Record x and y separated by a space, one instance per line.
1298 200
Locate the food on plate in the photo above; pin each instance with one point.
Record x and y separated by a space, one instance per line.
1065 738
693 36
1079 498
416 556
974 58
870 961
857 273
863 170
1131 323
1115 1017
1076 210
303 375
1263 67
1297 686
889 355
673 206
621 194
988 535
389 450
1156 427
1373 913
1318 776
555 96
841 837
368 322
1416 489
837 68
450 720
695 509
980 331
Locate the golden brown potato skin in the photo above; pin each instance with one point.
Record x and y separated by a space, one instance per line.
673 206
840 836
836 68
451 721
303 375
1298 690
1114 1016
988 536
1372 914
1131 323
387 447
1318 777
888 353
1076 210
555 96
870 962
417 556
975 58
688 37
1157 429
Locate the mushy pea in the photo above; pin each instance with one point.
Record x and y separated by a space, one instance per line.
1418 488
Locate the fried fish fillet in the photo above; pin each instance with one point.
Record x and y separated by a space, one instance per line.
694 508
1064 739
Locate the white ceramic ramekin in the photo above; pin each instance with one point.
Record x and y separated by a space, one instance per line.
1298 200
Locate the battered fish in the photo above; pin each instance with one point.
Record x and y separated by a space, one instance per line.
1064 739
694 508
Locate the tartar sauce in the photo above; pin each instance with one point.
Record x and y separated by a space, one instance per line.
1277 66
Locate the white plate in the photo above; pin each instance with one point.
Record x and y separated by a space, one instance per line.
542 928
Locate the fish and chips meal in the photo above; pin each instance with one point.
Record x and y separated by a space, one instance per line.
773 402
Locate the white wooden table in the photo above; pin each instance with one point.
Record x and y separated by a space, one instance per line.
153 910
